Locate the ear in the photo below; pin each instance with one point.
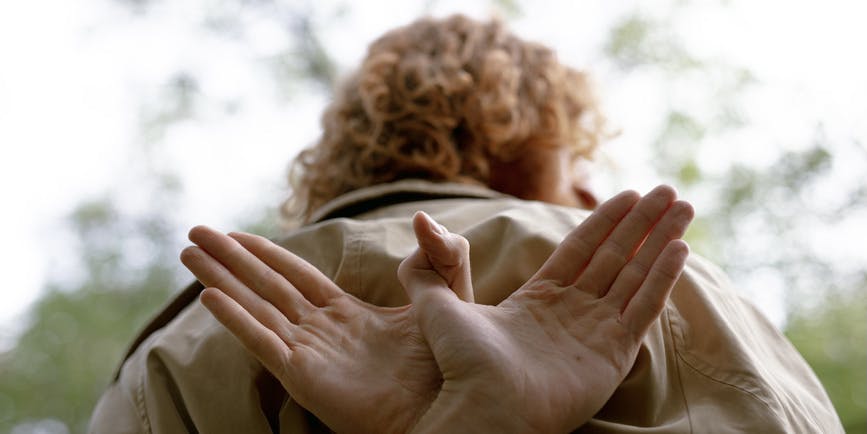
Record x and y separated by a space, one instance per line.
586 199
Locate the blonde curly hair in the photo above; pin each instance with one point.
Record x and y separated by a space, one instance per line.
440 99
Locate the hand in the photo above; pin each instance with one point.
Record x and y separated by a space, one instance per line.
548 357
356 366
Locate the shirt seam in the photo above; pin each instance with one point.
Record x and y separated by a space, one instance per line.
140 404
359 253
677 367
682 357
716 380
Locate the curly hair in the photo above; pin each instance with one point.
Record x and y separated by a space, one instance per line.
440 99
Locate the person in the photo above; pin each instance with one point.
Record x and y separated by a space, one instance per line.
528 330
548 356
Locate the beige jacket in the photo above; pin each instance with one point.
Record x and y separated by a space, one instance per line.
711 364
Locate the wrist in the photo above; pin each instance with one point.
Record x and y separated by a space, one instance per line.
469 411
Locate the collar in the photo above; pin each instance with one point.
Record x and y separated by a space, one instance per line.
409 190
347 205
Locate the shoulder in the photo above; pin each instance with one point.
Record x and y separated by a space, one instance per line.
189 374
726 349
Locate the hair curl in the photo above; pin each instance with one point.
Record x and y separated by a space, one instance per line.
440 99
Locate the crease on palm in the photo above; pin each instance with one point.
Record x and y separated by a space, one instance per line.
319 321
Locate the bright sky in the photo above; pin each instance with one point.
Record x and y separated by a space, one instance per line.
73 76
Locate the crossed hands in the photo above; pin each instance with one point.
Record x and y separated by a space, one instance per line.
546 359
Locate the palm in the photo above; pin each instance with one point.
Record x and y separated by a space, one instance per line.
577 355
355 362
358 367
553 352
552 367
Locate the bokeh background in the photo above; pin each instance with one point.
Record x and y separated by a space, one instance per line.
125 122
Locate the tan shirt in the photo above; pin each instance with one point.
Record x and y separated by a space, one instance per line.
712 363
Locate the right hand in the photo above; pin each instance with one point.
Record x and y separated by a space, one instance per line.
548 357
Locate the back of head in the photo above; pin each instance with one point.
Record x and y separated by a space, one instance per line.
444 100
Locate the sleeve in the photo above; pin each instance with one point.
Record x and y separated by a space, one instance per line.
192 376
738 371
116 413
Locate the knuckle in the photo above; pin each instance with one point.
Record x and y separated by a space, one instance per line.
462 244
580 244
236 251
636 270
613 250
666 273
408 268
608 219
457 248
643 217
269 279
543 290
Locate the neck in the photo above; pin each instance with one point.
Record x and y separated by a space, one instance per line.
544 175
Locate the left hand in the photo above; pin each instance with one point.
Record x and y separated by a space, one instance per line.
356 366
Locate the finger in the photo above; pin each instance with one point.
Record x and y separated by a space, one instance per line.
212 273
263 342
648 302
672 226
253 273
315 286
447 252
422 284
610 258
431 299
573 254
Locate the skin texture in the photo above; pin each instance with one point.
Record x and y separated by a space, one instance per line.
548 357
548 174
552 353
358 367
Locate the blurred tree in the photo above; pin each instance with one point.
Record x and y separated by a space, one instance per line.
760 220
77 331
831 336
756 219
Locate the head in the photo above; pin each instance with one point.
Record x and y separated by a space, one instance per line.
454 100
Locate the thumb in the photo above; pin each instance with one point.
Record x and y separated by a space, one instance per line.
447 253
436 308
420 281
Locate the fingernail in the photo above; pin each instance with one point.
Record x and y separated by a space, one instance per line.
436 227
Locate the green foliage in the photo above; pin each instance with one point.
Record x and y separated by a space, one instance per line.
675 148
757 217
309 58
639 41
78 331
509 8
777 201
832 337
176 102
64 359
